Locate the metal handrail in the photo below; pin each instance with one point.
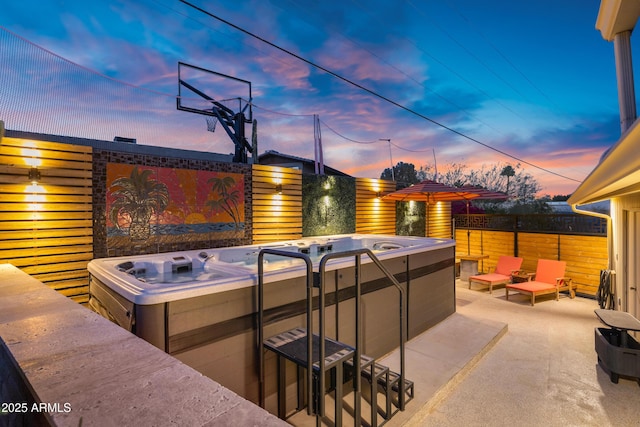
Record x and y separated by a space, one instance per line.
309 265
357 253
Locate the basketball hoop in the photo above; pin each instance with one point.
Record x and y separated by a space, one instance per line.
211 123
199 84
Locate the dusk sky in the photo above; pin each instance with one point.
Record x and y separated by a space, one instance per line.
513 82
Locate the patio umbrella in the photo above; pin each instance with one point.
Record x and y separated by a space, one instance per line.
430 192
483 194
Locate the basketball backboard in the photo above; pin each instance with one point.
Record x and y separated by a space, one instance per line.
200 89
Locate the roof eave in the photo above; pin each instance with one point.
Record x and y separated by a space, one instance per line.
617 16
617 174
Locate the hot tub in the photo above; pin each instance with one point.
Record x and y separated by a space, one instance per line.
200 306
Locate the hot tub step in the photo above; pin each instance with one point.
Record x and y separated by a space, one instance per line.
390 386
373 373
292 345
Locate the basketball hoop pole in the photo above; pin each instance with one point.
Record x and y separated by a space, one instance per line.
232 122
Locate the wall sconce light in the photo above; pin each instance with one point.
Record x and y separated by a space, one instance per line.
34 175
279 188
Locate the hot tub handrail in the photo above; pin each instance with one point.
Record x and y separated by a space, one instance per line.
309 265
358 253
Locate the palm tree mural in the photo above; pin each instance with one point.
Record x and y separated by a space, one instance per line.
228 201
138 196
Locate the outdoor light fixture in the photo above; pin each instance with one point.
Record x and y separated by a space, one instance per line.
34 175
378 192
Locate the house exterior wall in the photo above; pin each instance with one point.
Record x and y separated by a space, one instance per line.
621 249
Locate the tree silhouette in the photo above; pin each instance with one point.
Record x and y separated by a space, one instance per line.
404 173
508 171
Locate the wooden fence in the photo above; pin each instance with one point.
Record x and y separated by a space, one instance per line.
585 255
46 223
276 203
374 215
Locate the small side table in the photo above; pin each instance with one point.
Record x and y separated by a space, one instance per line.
521 276
469 265
618 353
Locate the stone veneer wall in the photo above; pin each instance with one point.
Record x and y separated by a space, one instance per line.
103 157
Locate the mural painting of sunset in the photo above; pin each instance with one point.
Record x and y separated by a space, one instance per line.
158 203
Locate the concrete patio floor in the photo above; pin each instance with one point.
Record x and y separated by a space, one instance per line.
505 363
542 371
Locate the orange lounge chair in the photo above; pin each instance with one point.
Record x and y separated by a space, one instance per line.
549 279
502 274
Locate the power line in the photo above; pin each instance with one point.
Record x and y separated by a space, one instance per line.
279 112
498 51
348 139
419 83
455 73
371 92
469 52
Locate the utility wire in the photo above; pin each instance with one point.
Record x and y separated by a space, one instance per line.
371 92
498 51
348 139
377 141
413 79
469 52
366 9
279 112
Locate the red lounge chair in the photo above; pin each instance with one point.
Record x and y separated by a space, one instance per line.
502 274
549 278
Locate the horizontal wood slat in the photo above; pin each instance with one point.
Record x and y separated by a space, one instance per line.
48 250
47 229
50 207
43 215
46 145
374 215
56 268
42 224
17 150
276 216
41 242
7 170
28 234
51 198
24 188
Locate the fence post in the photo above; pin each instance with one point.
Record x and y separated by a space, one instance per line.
515 235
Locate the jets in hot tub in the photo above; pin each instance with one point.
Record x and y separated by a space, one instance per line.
387 245
179 268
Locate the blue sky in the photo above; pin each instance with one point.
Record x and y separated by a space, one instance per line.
534 80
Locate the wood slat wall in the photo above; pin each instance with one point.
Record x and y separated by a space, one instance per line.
47 230
492 243
276 216
585 255
439 220
374 215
